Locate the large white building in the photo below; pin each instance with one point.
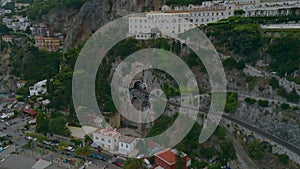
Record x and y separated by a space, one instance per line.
126 145
178 20
107 139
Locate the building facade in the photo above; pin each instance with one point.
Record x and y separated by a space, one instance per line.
126 145
107 139
47 43
176 20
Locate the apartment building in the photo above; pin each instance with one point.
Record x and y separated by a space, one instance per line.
47 43
175 20
107 139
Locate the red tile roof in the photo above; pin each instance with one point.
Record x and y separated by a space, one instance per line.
167 156
30 112
10 99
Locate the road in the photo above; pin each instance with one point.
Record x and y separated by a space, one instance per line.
291 147
258 131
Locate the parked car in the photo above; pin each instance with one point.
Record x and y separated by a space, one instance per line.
70 149
96 156
47 142
30 138
117 164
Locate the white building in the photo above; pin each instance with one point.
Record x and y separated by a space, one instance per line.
170 22
277 10
126 145
17 23
107 139
39 88
21 83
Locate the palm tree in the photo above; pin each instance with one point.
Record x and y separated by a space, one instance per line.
83 151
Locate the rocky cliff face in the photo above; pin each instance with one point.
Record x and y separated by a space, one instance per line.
96 13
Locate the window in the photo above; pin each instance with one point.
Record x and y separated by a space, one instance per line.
109 141
97 138
121 144
126 145
102 139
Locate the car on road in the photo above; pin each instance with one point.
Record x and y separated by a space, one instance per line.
117 164
96 156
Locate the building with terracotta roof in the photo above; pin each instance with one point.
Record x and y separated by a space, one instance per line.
21 83
31 112
107 139
167 159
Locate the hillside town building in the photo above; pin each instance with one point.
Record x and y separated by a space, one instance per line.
107 139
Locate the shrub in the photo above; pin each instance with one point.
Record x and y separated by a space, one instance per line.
284 106
250 101
263 103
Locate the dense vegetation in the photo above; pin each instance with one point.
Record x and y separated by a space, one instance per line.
243 37
32 64
231 102
52 124
285 55
40 7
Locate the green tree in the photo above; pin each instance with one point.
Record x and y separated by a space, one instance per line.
42 121
273 82
62 145
283 159
77 142
4 29
255 149
83 151
58 126
284 54
133 163
293 96
250 100
230 63
263 103
40 139
228 151
284 106
231 102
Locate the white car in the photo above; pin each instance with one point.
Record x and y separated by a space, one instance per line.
70 148
47 142
31 138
